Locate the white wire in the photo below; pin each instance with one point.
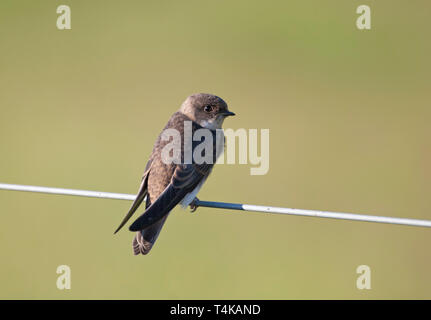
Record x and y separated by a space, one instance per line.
230 206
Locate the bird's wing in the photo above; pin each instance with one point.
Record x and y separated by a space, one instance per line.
185 178
139 198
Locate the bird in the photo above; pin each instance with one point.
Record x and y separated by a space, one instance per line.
165 184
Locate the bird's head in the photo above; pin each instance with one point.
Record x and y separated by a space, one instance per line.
206 109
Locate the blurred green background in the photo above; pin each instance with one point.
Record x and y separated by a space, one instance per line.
349 118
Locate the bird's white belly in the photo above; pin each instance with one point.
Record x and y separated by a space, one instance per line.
191 195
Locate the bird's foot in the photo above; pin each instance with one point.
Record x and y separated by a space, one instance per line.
194 205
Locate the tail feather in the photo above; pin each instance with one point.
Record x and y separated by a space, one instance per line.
145 239
140 245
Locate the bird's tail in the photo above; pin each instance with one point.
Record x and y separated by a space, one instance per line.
145 239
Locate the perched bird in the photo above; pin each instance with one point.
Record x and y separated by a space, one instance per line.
168 183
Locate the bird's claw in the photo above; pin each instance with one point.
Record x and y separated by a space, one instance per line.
194 205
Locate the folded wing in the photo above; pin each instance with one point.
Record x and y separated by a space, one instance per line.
185 178
139 198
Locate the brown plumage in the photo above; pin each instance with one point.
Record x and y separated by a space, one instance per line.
165 184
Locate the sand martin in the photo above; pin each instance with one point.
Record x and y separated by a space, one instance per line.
166 184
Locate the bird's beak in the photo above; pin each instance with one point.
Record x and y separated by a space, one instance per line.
228 114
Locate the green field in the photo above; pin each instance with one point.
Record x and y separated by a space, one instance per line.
349 118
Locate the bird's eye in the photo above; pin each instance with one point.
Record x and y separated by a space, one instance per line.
208 108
